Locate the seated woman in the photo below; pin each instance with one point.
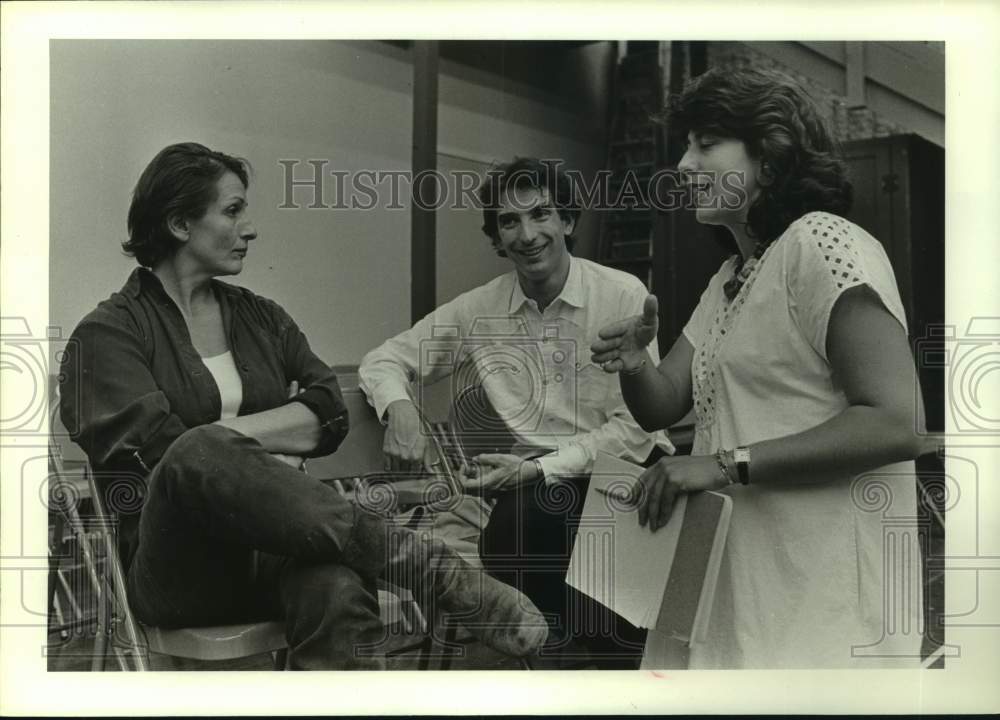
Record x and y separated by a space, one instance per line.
192 385
797 364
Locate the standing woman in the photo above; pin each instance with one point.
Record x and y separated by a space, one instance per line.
797 364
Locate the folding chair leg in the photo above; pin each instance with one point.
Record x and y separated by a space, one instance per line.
54 554
108 586
117 579
122 661
74 605
97 662
60 618
83 540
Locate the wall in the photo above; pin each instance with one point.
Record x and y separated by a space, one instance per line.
115 104
903 83
343 274
489 114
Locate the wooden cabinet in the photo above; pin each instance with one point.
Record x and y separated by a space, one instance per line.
899 198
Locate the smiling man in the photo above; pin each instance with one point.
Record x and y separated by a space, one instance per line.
523 338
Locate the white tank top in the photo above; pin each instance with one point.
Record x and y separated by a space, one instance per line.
227 378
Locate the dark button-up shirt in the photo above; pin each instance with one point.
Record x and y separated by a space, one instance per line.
131 381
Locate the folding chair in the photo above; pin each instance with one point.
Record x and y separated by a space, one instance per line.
361 453
117 629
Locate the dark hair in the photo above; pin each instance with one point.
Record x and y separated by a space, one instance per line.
179 181
782 127
527 172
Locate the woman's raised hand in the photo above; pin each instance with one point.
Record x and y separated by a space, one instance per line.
622 345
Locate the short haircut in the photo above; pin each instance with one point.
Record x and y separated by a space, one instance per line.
527 172
179 182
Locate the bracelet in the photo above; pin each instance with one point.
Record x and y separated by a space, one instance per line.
720 459
538 469
635 370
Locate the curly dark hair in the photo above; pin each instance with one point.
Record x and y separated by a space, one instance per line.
179 182
782 127
527 172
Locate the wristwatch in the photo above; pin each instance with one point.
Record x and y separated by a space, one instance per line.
741 456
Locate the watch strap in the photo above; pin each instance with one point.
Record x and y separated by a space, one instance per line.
741 457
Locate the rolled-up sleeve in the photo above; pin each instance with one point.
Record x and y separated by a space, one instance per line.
387 371
320 388
108 396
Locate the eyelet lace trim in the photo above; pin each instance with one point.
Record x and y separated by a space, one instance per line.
703 390
832 236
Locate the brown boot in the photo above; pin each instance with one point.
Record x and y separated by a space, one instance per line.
442 582
496 613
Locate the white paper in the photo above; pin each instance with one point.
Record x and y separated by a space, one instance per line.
623 566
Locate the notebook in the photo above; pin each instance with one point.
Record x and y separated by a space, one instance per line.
664 580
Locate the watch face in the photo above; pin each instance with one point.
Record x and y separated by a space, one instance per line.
742 457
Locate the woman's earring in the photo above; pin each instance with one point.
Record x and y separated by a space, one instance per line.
766 176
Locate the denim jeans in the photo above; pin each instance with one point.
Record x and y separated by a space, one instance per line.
214 499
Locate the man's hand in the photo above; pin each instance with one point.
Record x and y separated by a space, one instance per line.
660 485
405 444
622 345
495 472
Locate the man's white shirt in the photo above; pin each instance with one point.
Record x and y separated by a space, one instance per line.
534 366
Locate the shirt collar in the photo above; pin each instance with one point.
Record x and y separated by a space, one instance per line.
142 278
571 293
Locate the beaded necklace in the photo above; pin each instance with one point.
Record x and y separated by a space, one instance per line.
743 270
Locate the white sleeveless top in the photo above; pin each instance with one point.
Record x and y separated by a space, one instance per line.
227 378
807 580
